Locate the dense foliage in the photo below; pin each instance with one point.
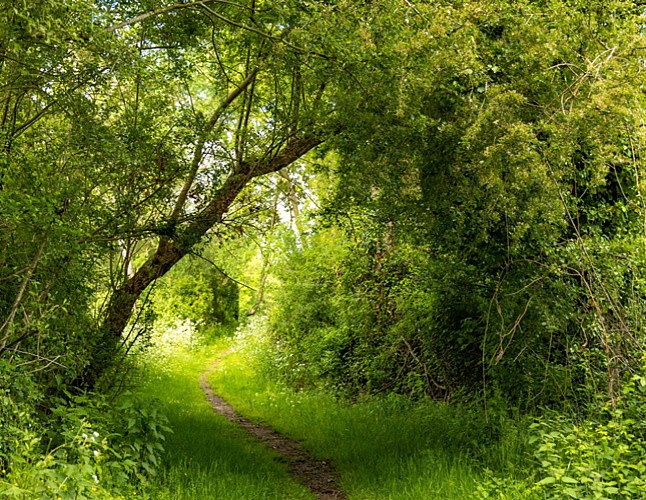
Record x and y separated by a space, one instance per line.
492 209
127 132
473 227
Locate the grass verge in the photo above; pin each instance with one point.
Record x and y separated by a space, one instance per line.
383 448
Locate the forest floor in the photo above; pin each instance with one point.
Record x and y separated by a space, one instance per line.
253 437
318 475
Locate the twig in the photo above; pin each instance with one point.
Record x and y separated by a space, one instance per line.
195 254
419 362
163 10
21 293
199 147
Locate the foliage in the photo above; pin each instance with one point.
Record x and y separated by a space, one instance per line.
19 396
599 458
89 447
117 133
73 446
198 292
52 64
490 193
166 339
128 127
481 225
600 455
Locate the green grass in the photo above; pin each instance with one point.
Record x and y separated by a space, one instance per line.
207 457
384 448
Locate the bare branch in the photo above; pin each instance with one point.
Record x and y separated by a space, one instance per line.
192 5
203 4
245 27
164 10
21 293
217 268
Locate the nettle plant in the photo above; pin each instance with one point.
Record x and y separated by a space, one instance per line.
82 456
600 458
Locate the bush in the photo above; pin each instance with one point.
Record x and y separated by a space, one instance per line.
603 457
87 447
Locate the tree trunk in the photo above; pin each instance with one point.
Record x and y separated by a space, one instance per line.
172 248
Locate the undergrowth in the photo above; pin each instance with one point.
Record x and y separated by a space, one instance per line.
75 447
389 447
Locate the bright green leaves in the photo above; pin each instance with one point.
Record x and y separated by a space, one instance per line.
503 140
598 458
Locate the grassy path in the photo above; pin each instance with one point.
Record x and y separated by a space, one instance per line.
208 457
383 448
318 475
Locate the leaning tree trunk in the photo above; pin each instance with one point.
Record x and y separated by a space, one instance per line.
172 248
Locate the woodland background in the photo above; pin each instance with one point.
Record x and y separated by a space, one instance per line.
440 200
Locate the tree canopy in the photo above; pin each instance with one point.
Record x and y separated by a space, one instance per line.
476 166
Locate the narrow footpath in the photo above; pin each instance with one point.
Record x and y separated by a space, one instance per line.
317 475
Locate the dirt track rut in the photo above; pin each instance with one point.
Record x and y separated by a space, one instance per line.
318 475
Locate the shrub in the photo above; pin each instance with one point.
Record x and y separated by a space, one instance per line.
89 447
602 457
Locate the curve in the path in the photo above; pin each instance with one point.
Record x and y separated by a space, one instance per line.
318 475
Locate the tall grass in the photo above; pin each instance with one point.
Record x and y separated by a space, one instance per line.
384 448
207 457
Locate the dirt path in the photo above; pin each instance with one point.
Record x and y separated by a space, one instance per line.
317 475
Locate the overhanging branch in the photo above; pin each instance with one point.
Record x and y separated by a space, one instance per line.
247 170
199 148
169 8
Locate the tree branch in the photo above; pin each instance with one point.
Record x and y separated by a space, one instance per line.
247 170
203 5
218 269
21 293
192 5
199 147
168 8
